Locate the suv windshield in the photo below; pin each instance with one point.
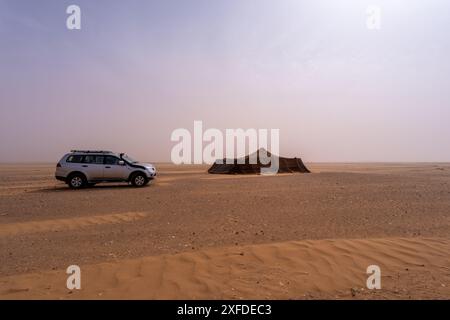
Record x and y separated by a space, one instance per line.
128 159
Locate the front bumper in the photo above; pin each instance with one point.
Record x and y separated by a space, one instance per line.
151 175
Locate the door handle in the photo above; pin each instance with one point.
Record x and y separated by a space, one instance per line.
85 166
108 167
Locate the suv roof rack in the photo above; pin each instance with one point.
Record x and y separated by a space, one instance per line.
90 151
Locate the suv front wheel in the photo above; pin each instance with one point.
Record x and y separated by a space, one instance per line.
139 180
76 181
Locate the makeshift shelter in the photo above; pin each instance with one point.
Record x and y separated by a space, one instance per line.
245 166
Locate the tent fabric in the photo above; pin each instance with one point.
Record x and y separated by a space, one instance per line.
286 165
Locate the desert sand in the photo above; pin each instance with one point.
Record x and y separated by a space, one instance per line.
191 235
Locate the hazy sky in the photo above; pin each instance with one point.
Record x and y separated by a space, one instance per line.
137 70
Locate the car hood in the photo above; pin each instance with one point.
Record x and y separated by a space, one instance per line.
140 165
145 165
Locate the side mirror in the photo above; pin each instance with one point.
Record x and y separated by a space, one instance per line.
121 163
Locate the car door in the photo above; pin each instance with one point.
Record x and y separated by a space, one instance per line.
92 167
113 170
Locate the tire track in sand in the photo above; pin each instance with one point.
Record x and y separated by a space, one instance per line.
11 229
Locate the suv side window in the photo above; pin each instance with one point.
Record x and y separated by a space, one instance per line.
111 160
76 158
93 159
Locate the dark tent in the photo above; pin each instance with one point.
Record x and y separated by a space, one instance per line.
285 165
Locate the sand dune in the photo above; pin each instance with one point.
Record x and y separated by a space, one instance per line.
293 269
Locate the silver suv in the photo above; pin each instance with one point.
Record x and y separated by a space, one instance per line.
81 168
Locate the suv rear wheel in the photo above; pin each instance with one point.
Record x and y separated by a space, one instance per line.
76 181
139 180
